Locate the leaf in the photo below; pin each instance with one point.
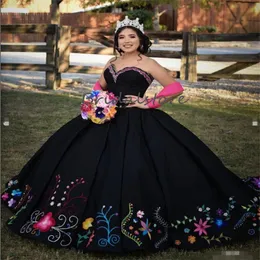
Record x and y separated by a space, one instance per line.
183 222
185 217
178 222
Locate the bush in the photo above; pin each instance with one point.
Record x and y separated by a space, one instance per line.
208 29
145 17
163 27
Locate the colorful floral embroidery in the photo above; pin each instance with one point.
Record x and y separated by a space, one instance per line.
87 223
191 239
46 223
102 217
253 183
88 236
163 223
124 223
146 228
201 227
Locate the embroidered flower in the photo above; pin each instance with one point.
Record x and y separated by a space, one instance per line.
219 222
11 203
177 242
131 228
187 230
136 232
87 223
146 228
191 239
11 183
219 212
45 223
16 193
251 232
201 227
140 214
256 182
5 196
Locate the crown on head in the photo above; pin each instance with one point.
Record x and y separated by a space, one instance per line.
127 22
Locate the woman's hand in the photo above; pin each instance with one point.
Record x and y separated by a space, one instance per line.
136 101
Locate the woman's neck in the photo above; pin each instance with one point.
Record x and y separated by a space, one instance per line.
129 56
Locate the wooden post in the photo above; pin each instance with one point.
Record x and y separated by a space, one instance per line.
189 56
64 48
55 12
52 77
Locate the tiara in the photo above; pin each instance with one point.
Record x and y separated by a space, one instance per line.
127 22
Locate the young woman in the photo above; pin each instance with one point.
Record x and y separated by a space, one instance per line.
141 181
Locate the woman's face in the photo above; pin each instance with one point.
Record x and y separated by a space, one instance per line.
128 40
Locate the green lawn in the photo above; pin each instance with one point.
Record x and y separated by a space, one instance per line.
224 126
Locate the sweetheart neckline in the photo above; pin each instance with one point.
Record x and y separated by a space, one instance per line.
129 67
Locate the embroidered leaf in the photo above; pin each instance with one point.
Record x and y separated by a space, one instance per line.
190 220
183 222
244 207
194 218
178 222
217 239
185 217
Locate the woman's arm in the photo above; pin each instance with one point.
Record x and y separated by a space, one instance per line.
171 89
101 84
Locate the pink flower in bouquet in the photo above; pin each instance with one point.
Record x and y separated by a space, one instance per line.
86 107
102 100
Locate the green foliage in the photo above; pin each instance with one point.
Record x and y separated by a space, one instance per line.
175 3
207 28
163 27
146 17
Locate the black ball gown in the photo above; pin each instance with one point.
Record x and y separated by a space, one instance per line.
141 181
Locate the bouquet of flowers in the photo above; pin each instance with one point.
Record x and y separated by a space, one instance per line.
99 106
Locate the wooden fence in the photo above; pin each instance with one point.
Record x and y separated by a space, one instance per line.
58 51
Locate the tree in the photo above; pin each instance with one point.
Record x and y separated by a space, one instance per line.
155 3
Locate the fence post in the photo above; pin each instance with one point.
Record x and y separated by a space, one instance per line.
64 49
53 77
189 57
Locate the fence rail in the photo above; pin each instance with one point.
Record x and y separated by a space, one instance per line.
58 49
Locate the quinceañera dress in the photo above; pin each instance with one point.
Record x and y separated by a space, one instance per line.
141 181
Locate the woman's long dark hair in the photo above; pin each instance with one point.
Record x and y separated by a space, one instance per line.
145 42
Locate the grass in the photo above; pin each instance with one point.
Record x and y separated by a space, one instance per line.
225 126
